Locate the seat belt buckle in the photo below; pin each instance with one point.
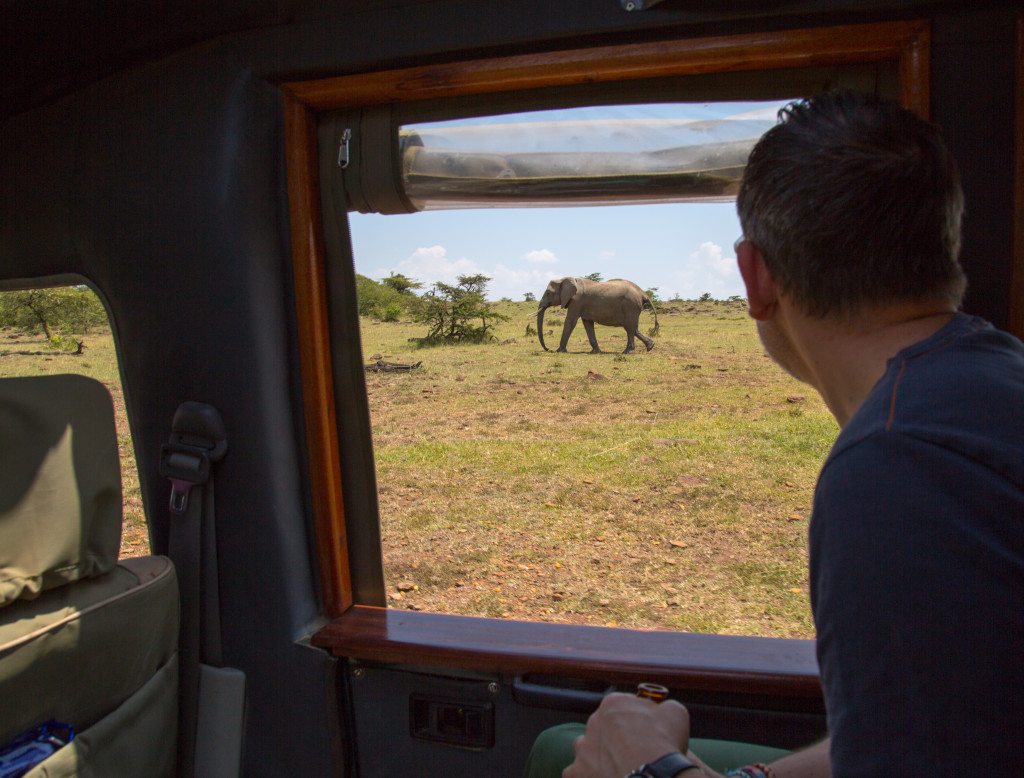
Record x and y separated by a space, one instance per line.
184 467
197 439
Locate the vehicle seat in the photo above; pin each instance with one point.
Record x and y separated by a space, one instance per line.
84 639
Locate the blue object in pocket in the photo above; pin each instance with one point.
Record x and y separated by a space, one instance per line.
31 748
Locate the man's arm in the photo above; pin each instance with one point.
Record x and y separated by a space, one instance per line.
810 762
627 731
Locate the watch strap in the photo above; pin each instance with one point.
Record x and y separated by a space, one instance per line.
667 766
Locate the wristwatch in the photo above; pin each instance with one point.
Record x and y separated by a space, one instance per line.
667 766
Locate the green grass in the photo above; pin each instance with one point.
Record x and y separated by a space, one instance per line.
668 489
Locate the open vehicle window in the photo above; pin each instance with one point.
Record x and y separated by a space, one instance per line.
668 489
66 330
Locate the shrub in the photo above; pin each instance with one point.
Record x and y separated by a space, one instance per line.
377 299
68 343
458 314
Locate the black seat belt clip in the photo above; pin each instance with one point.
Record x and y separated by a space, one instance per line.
184 469
197 439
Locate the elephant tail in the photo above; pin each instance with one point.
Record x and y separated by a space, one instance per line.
648 303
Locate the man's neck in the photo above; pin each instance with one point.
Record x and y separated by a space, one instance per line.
844 360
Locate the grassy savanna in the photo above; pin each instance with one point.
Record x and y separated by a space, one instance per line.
24 354
667 490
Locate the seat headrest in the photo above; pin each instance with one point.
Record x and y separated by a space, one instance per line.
60 483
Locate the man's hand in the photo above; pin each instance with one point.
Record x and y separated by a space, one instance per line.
625 732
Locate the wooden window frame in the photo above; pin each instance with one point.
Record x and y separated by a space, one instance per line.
770 665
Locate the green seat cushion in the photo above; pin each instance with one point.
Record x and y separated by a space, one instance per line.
77 652
60 484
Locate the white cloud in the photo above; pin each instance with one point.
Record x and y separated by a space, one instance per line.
545 256
708 269
430 264
513 283
709 256
606 255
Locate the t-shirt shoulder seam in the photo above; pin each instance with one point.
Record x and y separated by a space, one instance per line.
904 361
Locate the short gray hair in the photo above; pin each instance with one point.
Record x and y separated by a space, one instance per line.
854 201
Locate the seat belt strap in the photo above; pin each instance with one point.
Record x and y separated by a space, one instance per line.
197 441
209 586
184 549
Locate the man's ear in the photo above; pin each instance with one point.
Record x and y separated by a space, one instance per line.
762 292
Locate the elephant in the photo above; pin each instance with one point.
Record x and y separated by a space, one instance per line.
614 303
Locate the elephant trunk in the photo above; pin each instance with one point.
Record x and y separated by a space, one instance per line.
540 326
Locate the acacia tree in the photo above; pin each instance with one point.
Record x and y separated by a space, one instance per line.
401 283
57 313
460 313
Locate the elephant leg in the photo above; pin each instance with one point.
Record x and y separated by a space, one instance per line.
570 324
630 344
588 325
631 323
647 341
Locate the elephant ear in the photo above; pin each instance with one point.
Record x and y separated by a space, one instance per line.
568 291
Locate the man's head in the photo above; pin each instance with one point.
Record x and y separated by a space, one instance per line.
854 203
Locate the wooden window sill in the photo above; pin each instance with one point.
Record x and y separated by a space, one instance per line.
722 663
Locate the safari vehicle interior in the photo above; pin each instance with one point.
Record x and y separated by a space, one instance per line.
196 166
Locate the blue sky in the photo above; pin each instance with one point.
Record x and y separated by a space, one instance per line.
682 249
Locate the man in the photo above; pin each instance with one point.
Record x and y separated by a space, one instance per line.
850 209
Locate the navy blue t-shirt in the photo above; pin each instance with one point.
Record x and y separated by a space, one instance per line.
917 564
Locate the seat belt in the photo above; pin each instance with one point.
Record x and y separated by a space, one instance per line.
211 697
